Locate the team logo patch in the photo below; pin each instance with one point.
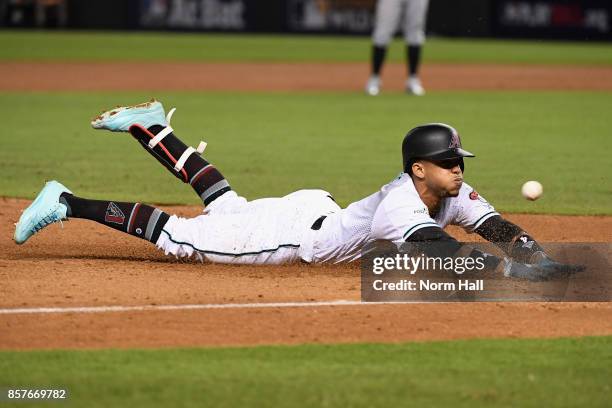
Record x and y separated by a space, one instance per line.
114 214
454 142
474 195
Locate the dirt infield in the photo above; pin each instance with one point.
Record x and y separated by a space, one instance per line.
267 77
86 264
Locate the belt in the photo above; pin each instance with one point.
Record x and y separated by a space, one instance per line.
317 224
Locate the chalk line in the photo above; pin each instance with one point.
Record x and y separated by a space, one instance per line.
137 308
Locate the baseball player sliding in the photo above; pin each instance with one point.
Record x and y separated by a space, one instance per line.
412 14
306 225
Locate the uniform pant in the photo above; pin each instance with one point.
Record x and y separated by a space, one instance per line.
389 14
265 231
305 226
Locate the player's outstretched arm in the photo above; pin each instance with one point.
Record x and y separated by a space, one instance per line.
447 246
521 247
511 239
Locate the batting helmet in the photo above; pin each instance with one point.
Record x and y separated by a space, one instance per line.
433 141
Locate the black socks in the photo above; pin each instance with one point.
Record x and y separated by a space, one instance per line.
203 177
413 59
136 219
413 54
378 57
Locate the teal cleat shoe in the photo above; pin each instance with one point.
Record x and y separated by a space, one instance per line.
45 209
121 118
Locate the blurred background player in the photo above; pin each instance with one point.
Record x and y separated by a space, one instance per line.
389 14
39 13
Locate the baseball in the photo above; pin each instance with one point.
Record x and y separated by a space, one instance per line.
532 190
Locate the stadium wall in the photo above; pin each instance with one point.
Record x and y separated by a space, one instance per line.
550 19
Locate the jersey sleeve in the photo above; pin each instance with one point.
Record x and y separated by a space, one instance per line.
399 215
471 209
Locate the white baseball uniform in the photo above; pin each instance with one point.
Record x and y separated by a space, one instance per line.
281 230
388 14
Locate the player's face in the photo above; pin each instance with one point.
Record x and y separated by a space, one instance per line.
444 177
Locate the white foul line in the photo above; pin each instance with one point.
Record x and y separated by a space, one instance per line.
139 308
106 309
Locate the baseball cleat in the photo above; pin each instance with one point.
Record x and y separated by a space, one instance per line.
372 87
414 86
121 118
45 209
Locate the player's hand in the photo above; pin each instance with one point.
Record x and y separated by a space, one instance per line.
545 269
559 267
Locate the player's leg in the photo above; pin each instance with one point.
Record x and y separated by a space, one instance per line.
414 34
56 203
265 231
386 20
174 235
183 161
148 124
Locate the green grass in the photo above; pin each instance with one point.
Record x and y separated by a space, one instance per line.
60 46
348 144
475 373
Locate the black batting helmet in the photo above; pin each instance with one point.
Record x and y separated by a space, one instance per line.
433 141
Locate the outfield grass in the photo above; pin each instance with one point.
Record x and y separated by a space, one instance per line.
475 373
348 144
53 45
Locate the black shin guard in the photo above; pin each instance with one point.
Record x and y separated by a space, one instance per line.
203 177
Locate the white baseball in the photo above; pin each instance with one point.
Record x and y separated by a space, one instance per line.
532 190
